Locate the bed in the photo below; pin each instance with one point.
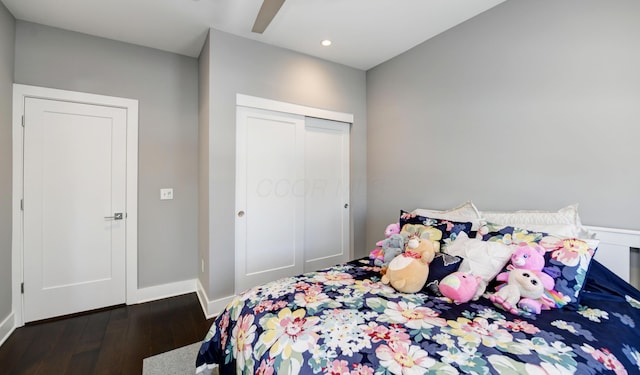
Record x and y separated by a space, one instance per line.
344 320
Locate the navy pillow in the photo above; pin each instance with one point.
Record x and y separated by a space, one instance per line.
442 265
567 259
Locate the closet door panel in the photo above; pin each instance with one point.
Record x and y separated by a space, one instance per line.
270 196
326 155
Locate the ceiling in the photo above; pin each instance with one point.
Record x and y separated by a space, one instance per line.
365 33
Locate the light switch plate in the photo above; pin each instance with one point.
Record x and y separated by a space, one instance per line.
166 193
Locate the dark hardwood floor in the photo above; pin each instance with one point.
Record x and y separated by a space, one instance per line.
110 341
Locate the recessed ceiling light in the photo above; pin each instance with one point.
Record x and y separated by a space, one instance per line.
326 42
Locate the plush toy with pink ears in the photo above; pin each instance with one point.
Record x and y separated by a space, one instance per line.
389 231
529 257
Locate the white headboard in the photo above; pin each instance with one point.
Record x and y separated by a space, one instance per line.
614 250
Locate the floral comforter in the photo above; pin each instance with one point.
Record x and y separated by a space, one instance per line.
343 320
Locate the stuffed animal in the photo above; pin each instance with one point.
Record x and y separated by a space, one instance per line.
423 231
524 289
388 248
408 272
529 262
480 258
532 258
459 286
391 248
529 257
377 256
390 230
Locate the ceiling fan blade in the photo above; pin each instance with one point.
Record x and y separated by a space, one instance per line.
268 10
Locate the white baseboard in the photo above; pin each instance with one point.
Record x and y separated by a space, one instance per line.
6 328
211 308
157 292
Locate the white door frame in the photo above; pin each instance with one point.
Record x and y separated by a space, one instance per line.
20 93
295 109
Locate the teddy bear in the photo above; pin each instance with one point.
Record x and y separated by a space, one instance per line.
408 272
459 286
529 257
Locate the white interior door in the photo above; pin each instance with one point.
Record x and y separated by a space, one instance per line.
326 208
269 196
74 182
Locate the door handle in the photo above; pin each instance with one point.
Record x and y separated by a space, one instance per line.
116 216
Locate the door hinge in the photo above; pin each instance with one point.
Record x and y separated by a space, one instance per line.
23 121
21 204
22 288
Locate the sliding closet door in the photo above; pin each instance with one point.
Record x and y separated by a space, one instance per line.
269 196
326 204
292 195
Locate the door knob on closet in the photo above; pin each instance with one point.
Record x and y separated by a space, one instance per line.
116 216
240 213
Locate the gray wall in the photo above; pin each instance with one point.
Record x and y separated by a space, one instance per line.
532 104
203 163
165 85
7 36
248 67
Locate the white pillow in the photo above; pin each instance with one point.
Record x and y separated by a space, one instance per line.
481 258
466 212
565 215
564 222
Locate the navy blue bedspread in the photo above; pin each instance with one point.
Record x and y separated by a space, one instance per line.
343 320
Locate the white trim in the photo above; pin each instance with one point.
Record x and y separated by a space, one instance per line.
20 93
274 105
211 308
157 292
627 237
614 249
7 327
